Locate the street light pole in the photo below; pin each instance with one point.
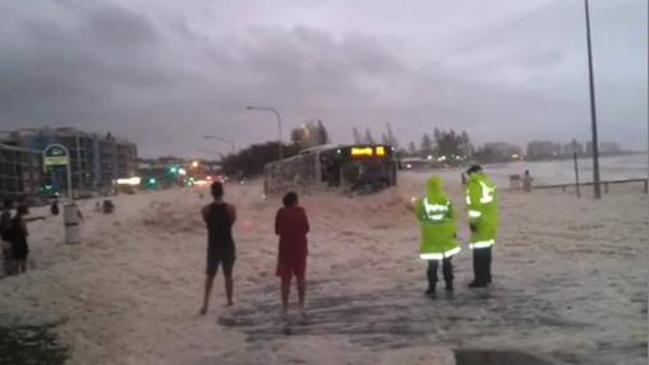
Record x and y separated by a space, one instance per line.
593 114
232 145
279 124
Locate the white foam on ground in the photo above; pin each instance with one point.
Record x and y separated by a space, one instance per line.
570 280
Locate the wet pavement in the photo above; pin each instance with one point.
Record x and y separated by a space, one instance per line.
488 357
402 317
30 345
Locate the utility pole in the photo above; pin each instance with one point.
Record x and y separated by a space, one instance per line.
593 115
279 124
575 157
232 145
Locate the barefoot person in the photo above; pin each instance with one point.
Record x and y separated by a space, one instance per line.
5 223
219 217
17 235
292 225
438 233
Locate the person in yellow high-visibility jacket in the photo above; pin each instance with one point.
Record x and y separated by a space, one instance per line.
482 208
438 233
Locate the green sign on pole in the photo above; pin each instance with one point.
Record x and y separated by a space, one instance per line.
57 155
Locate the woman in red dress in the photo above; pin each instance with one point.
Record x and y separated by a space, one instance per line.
292 225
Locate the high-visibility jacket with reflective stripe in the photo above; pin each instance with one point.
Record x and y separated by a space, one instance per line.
438 227
482 209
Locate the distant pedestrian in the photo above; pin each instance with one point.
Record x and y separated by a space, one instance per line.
219 217
79 213
17 235
107 206
482 208
438 233
5 223
292 226
527 181
54 207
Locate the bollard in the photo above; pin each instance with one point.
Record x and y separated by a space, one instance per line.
72 223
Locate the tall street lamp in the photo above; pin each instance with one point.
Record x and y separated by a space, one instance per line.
232 146
279 124
593 114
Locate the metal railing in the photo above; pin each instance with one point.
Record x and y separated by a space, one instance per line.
606 184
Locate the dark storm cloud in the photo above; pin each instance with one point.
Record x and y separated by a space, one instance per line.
164 74
112 25
55 63
73 72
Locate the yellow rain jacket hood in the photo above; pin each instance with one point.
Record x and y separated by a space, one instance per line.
437 222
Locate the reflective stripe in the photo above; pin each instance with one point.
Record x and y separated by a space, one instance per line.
435 212
433 208
452 252
440 256
482 244
487 193
474 214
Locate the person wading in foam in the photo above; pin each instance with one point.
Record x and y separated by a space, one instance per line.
219 217
292 226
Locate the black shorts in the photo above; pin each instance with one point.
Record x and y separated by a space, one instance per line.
214 259
20 251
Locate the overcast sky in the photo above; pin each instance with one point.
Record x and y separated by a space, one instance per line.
164 73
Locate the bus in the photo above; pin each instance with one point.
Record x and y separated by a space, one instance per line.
345 168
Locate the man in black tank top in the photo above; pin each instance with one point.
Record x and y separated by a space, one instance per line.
219 218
